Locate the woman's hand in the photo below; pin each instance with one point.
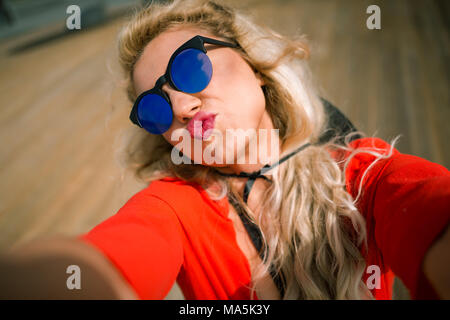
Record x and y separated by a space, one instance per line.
38 270
436 265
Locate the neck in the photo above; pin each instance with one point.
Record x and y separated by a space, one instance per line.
253 176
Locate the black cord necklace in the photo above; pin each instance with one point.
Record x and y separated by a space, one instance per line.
252 176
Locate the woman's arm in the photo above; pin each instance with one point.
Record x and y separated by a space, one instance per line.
39 270
143 240
406 203
139 247
436 265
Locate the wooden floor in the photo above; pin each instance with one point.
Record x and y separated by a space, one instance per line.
62 104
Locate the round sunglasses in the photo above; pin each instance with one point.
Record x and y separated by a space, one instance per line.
189 70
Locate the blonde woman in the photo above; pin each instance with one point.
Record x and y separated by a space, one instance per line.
327 214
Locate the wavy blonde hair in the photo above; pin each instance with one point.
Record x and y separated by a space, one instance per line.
310 222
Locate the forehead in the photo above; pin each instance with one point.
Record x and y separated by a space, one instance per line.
154 59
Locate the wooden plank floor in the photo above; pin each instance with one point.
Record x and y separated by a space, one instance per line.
62 104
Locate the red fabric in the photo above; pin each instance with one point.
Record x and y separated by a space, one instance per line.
172 230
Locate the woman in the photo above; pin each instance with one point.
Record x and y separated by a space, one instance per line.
321 216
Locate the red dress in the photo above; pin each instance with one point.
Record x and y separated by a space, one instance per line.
172 231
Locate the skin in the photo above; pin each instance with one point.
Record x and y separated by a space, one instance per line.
436 262
31 271
37 270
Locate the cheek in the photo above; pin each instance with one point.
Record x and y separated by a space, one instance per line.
240 92
248 106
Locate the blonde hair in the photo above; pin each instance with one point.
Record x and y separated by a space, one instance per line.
309 221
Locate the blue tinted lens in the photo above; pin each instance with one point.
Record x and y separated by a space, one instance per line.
191 71
154 113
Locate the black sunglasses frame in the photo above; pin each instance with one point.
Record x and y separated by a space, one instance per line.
197 42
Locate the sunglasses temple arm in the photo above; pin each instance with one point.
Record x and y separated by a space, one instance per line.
134 118
220 43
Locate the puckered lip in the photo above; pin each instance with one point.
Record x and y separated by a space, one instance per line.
200 123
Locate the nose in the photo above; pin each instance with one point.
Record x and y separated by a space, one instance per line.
184 105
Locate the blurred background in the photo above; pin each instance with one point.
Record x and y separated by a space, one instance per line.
63 104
